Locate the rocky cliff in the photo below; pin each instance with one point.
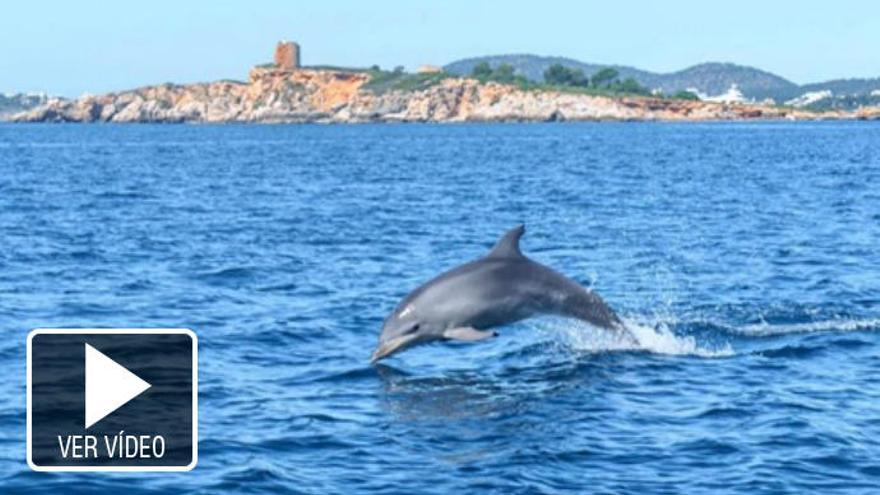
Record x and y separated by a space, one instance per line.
328 96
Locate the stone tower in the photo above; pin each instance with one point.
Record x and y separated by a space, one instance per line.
287 55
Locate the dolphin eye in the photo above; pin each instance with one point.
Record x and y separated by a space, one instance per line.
412 329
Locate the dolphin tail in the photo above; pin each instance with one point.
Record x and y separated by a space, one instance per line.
590 308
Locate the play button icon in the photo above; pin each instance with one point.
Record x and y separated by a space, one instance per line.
112 399
109 385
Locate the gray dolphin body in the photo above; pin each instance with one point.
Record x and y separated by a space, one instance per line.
502 287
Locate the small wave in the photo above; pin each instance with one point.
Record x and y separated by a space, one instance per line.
655 337
837 325
228 273
124 195
793 351
229 277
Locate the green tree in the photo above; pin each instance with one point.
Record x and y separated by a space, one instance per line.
630 86
579 79
561 75
686 95
557 74
504 73
604 77
482 70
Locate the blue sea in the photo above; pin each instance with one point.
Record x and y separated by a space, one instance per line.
745 257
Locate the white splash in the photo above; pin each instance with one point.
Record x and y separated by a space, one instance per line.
655 337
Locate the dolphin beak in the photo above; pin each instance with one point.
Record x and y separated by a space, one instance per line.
389 347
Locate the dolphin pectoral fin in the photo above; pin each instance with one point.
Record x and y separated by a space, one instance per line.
468 334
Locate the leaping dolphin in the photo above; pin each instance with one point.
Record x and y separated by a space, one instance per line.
500 288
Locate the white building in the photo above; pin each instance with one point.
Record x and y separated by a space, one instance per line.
809 97
732 95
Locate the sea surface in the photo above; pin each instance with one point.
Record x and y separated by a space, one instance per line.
744 256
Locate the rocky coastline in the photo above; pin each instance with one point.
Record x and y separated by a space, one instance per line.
273 95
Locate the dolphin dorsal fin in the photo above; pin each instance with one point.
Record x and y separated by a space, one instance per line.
508 245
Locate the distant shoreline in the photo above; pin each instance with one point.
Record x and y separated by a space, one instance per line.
328 96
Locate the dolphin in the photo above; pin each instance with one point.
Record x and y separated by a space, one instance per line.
500 288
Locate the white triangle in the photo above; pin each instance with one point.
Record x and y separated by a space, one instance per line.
108 385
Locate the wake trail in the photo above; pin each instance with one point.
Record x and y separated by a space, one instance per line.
833 325
656 335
